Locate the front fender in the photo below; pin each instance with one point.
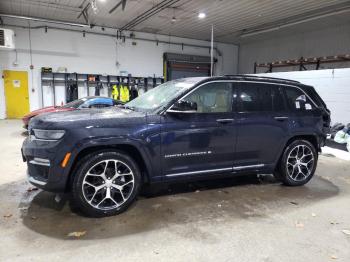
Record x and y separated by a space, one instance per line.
117 142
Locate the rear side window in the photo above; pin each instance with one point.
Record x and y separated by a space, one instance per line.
278 103
297 100
315 97
271 98
254 97
265 94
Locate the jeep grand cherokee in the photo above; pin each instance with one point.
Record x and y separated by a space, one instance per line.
190 128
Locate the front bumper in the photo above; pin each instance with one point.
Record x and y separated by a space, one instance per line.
44 168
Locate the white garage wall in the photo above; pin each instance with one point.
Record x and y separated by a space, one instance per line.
326 41
333 85
97 54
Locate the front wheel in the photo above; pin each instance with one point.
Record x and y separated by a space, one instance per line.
298 163
105 183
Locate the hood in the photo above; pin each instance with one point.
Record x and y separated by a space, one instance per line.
104 117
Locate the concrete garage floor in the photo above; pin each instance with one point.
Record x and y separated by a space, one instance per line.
239 219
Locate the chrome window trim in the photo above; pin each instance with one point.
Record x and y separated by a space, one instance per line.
190 92
240 81
283 85
183 112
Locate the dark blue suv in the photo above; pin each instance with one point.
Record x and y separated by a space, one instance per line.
191 128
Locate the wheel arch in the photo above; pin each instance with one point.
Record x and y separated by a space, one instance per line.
279 171
129 149
312 138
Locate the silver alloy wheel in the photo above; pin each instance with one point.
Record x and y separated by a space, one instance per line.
108 184
300 162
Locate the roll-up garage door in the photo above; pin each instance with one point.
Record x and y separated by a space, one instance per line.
179 66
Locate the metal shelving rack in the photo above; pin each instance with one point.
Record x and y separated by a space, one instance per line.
58 78
302 62
46 79
52 79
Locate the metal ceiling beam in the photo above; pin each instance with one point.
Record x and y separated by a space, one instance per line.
84 13
122 3
219 53
38 3
149 13
44 20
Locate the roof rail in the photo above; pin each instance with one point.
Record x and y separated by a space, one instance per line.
264 77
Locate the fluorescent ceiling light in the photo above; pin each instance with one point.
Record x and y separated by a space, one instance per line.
260 32
201 15
292 23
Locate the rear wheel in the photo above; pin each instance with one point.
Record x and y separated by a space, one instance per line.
298 163
106 183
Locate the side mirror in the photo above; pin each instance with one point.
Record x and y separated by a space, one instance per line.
183 107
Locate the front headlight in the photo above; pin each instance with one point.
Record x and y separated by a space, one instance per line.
48 134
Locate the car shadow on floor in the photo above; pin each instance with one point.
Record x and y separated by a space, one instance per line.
161 206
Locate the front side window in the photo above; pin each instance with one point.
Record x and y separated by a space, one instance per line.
297 100
212 98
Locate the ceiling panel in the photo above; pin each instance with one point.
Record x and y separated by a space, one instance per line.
229 17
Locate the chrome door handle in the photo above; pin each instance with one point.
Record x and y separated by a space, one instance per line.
281 118
225 120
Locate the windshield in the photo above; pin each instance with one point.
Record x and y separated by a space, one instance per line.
75 103
161 95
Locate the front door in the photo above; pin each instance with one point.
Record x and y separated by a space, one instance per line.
202 141
16 93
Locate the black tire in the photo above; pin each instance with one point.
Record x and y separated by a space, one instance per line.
90 161
285 172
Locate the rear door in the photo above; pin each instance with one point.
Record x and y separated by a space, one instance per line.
262 125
